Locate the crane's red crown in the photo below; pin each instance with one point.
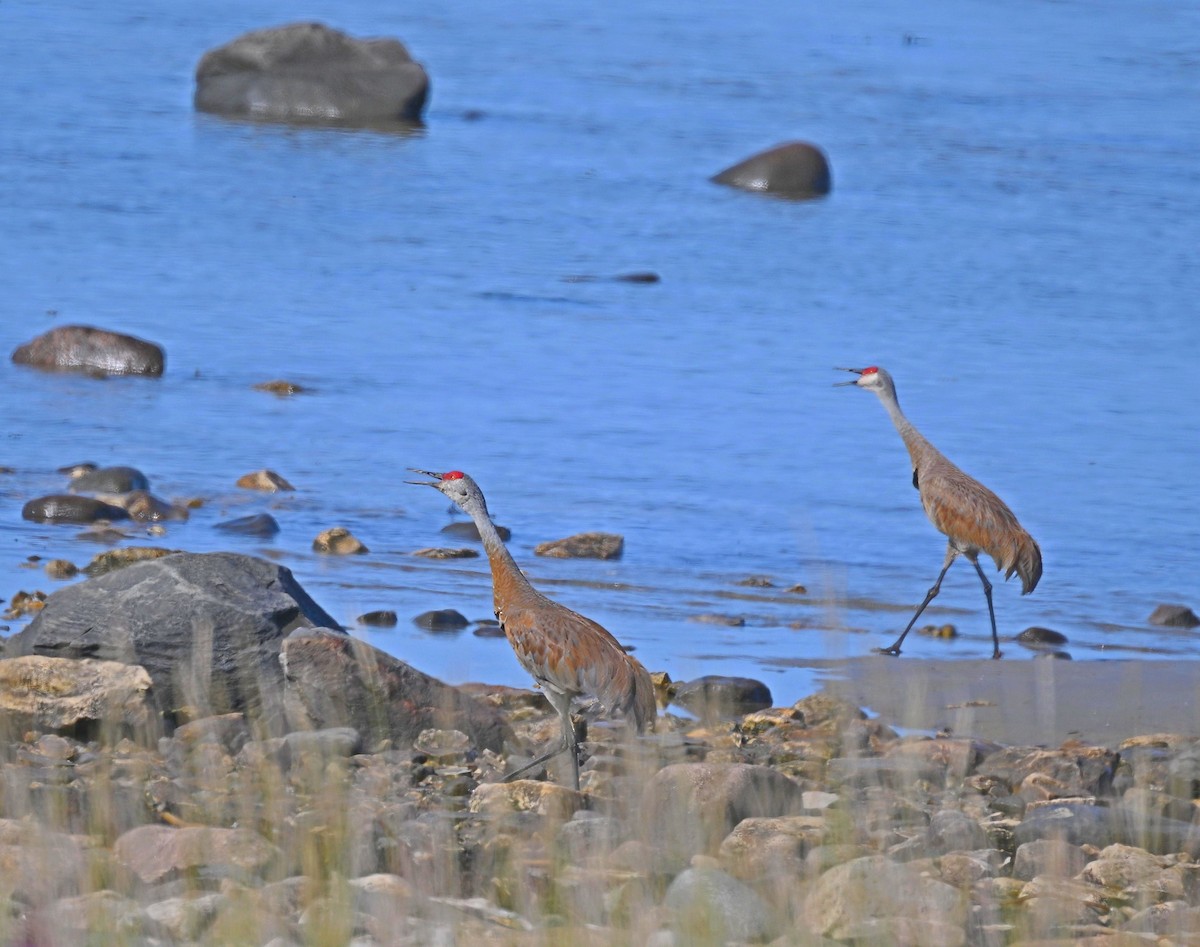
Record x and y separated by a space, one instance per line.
871 370
453 475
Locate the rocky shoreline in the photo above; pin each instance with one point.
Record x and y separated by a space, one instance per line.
338 796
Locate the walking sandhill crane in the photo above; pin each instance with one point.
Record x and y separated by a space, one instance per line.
971 517
568 655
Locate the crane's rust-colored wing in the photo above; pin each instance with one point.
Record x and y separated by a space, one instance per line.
572 653
975 519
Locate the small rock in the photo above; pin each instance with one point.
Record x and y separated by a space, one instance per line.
710 906
466 529
338 541
383 618
281 388
794 170
258 525
716 695
69 508
46 693
1040 638
583 546
61 569
757 582
156 853
147 508
440 552
25 603
938 631
104 562
109 480
771 847
710 618
265 480
442 744
441 619
875 887
1053 857
527 795
1174 616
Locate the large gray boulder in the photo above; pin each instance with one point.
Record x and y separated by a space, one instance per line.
309 73
91 351
207 627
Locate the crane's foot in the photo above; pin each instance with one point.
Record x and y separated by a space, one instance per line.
894 651
997 655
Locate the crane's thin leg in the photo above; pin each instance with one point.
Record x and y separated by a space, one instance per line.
559 748
987 591
562 704
951 554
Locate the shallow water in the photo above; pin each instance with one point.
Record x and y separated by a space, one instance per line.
1011 232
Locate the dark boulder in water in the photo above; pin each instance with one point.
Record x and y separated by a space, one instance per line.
308 73
796 170
91 351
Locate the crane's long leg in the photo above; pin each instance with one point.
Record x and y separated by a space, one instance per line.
987 591
562 705
951 555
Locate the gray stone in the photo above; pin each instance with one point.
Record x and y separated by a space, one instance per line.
875 887
45 693
583 546
206 627
689 808
441 619
1174 616
69 508
717 695
794 170
110 480
954 831
156 853
709 906
259 526
1084 824
309 73
334 680
91 351
1049 856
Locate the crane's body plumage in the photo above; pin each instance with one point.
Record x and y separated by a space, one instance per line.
568 654
968 514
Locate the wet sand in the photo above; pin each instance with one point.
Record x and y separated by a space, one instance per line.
1026 702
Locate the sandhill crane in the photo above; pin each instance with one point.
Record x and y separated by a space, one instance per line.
567 654
971 517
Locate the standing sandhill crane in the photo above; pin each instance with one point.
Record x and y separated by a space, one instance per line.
567 654
973 518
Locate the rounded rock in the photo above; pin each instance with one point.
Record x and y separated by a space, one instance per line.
69 508
109 480
338 541
91 351
794 170
312 74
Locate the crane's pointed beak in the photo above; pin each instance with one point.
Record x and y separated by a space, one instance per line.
853 381
425 483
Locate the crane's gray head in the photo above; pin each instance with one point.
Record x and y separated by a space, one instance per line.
873 378
457 486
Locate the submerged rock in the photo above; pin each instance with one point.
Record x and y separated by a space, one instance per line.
69 508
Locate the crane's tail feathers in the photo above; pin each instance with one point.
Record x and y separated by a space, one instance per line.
1026 561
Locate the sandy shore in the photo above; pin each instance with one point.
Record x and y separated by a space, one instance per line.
1026 702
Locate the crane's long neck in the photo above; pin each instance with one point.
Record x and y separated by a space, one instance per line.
507 576
914 440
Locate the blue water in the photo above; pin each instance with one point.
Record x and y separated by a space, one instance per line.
1012 232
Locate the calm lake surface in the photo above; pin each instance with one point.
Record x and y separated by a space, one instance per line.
1012 233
